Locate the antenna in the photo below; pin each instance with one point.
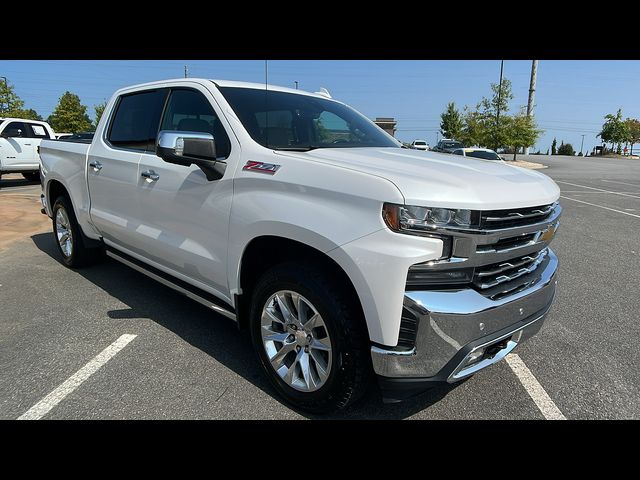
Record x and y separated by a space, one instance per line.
266 109
186 71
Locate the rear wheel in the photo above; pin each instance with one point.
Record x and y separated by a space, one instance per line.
310 337
32 176
69 238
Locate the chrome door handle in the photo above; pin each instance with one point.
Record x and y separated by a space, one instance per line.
27 144
150 175
97 166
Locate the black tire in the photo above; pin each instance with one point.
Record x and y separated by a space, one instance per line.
32 176
81 255
351 371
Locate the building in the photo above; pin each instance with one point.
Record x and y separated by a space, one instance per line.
388 124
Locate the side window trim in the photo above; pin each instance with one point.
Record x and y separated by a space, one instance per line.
107 131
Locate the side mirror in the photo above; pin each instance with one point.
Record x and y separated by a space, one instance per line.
191 148
11 132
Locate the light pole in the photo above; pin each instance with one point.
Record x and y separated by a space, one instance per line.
581 143
6 95
296 82
499 100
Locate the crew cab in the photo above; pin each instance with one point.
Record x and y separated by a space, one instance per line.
19 141
346 257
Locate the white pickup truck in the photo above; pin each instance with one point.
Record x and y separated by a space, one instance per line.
19 141
292 214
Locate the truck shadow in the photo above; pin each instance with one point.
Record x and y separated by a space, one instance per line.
17 182
217 337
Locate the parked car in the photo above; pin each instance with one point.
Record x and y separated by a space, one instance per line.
476 152
446 145
342 255
420 145
19 141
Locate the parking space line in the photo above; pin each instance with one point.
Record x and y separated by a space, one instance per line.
599 189
43 407
537 393
622 183
601 206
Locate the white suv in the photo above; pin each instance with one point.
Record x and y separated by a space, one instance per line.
420 145
19 141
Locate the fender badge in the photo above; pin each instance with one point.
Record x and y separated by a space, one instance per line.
268 168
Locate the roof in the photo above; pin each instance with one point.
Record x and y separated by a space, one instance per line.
226 83
23 120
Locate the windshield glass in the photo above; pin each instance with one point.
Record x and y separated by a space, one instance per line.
420 143
452 145
288 121
484 154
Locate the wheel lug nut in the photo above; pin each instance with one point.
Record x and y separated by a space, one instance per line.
293 327
290 338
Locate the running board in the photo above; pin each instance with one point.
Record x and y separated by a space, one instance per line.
194 293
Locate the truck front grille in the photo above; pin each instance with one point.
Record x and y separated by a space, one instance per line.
489 276
498 219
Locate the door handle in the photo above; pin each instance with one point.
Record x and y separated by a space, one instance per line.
97 166
27 144
150 175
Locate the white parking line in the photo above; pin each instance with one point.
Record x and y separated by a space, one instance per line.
599 189
43 407
622 183
600 206
537 393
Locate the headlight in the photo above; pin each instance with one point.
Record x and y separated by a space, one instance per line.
412 218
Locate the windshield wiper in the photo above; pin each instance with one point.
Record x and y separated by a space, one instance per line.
305 148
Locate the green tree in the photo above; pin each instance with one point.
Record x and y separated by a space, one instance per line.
566 149
451 124
521 131
70 115
554 146
11 105
99 110
497 135
614 131
474 128
633 131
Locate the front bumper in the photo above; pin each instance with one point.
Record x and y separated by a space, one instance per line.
454 326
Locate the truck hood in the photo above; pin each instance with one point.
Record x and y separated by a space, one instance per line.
446 180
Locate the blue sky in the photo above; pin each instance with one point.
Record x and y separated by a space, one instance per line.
571 97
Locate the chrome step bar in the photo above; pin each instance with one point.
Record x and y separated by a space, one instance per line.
167 282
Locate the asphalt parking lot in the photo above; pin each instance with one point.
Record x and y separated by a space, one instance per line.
186 363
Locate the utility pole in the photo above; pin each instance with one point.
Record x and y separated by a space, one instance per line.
296 82
186 72
6 98
582 143
532 93
499 100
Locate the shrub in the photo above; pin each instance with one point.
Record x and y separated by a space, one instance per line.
566 149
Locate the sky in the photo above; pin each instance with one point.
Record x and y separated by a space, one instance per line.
572 97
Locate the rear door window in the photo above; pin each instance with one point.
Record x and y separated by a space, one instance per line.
36 131
17 126
136 120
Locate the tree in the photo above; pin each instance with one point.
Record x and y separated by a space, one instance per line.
520 131
633 131
70 115
451 124
474 128
554 145
614 131
488 107
99 110
566 149
11 105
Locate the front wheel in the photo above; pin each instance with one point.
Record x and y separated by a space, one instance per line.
310 337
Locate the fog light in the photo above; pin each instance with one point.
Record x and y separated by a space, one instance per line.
474 357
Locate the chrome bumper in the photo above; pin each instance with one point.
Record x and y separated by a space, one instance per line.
454 325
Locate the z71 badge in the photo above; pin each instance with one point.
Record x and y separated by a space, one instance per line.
268 168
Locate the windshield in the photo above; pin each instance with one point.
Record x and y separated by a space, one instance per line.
420 143
484 154
452 145
288 121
